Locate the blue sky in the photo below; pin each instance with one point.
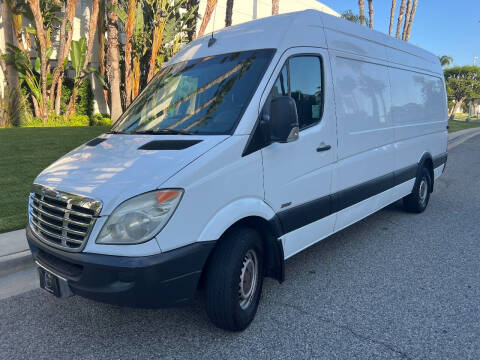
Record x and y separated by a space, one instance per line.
442 27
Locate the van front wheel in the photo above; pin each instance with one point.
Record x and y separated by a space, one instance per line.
417 201
234 280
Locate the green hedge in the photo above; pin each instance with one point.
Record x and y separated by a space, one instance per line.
75 120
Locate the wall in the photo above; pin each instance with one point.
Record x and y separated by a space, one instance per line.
247 10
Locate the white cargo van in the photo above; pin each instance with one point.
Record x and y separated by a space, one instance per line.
245 149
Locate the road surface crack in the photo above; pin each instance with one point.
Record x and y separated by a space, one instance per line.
347 328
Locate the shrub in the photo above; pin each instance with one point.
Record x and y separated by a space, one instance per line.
78 120
100 120
84 101
57 121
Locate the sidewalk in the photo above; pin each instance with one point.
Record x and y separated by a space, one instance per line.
14 252
15 255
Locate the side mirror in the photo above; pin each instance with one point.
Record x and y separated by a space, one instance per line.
283 120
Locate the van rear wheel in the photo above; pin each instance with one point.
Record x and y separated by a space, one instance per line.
234 280
417 201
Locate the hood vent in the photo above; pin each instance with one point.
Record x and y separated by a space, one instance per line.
95 141
168 144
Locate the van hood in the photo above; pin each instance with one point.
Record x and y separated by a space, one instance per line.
116 167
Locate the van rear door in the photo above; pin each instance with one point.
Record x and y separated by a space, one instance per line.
298 175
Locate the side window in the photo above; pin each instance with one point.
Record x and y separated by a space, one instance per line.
304 85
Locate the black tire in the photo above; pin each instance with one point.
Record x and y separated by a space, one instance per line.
224 305
417 201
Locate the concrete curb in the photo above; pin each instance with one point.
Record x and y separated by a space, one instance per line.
15 262
459 137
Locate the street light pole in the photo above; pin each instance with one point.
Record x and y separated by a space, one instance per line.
475 58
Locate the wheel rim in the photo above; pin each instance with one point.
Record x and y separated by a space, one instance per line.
248 279
423 190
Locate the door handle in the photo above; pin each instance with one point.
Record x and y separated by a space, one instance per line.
323 147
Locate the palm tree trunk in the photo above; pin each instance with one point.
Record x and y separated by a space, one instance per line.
113 61
132 7
73 100
157 40
407 19
392 17
10 71
228 14
370 13
66 34
275 7
400 18
42 39
410 20
361 8
101 46
92 28
206 18
136 77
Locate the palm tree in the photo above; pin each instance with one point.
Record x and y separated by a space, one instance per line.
407 18
370 13
160 21
132 7
206 18
361 6
8 68
275 7
445 60
228 14
400 18
113 60
410 20
392 17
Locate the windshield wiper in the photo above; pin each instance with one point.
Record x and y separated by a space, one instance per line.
117 132
164 131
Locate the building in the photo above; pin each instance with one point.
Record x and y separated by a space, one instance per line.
247 10
243 11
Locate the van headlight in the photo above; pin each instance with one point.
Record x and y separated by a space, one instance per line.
140 218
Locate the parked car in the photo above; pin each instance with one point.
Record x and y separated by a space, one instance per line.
249 146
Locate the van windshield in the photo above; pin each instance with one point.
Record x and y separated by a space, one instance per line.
201 96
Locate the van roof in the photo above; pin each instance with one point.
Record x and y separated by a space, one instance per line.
311 28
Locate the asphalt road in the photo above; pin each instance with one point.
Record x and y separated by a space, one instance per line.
395 285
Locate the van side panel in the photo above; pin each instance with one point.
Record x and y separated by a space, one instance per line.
419 115
366 156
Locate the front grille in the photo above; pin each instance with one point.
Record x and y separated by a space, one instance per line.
60 219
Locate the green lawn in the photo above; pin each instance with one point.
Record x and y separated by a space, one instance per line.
24 152
455 125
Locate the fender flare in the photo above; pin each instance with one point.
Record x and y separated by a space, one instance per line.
425 157
232 213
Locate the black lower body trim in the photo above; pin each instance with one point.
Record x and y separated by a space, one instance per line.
162 280
304 214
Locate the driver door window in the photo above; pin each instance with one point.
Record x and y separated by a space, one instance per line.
301 78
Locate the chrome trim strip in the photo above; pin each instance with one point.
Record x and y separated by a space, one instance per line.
50 271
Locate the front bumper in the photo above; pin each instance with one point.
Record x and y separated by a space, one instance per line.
162 280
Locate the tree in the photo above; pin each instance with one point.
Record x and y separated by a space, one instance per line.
206 17
400 18
445 60
129 28
463 84
370 13
350 16
160 21
361 6
113 61
411 17
41 35
392 17
407 18
275 7
8 68
228 14
66 35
